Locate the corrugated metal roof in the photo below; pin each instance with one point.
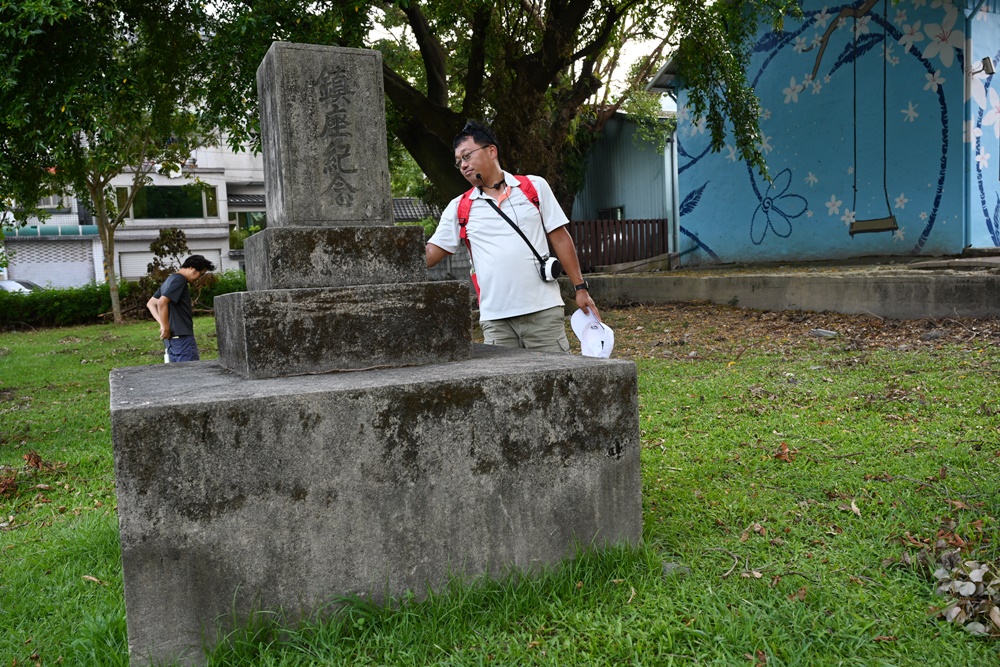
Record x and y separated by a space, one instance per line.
246 200
405 209
411 209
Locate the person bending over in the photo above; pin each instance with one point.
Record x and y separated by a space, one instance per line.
171 308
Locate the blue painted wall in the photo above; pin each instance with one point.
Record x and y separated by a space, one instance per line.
982 131
854 131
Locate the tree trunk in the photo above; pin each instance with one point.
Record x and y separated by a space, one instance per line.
107 233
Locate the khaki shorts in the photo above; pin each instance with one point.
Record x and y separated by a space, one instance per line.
544 331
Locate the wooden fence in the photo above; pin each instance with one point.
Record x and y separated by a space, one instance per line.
606 242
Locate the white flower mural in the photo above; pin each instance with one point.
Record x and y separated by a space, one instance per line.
911 36
944 39
971 132
910 113
901 200
983 160
833 206
822 18
792 91
933 81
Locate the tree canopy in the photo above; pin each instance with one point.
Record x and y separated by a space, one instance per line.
534 70
89 90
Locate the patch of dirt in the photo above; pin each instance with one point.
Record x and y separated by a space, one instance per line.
702 329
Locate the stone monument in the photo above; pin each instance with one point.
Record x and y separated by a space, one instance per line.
351 439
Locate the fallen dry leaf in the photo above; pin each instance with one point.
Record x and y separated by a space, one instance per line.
785 454
87 577
958 504
33 459
631 597
884 638
799 595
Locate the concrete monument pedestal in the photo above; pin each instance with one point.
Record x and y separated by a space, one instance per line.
351 439
282 494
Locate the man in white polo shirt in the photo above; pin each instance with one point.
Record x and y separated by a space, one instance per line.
517 308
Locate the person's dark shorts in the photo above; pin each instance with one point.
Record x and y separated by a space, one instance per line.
181 348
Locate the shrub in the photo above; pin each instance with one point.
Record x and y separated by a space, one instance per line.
54 307
57 307
223 282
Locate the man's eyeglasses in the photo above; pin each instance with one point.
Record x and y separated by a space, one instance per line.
467 156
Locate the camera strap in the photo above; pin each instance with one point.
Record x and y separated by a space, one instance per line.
516 229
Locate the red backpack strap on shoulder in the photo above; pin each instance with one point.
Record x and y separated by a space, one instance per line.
464 206
528 188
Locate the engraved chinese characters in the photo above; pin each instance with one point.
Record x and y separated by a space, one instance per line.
323 135
335 97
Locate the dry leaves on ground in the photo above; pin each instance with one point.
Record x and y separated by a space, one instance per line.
693 330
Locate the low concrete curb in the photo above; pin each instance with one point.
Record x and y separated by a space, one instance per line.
893 293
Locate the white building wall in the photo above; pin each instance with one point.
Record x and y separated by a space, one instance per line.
72 260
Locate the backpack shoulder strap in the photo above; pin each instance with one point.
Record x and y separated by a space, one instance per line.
528 188
464 206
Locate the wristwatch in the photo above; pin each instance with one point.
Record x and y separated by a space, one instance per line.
581 286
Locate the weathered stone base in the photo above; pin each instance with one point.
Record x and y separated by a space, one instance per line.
300 331
298 257
281 494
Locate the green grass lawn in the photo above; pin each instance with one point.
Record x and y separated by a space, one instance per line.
789 492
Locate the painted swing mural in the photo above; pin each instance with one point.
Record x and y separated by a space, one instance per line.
862 109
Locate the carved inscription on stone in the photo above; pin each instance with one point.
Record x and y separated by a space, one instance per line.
334 94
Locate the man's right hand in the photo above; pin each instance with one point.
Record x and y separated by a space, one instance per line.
164 332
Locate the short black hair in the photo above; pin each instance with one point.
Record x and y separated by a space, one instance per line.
481 134
198 263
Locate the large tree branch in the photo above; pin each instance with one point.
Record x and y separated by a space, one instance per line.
475 75
604 35
432 53
438 118
433 154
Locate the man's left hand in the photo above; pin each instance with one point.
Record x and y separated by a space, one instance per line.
586 304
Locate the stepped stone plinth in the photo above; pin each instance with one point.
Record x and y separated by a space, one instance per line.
351 439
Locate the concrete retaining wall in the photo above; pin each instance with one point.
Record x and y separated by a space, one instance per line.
895 294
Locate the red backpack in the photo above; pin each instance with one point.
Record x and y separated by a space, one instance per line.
465 205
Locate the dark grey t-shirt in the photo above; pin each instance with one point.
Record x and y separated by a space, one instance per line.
176 289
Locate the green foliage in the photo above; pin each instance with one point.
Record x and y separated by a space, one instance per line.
406 179
239 235
57 307
713 59
91 303
906 436
532 70
168 249
90 88
221 283
651 129
429 225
